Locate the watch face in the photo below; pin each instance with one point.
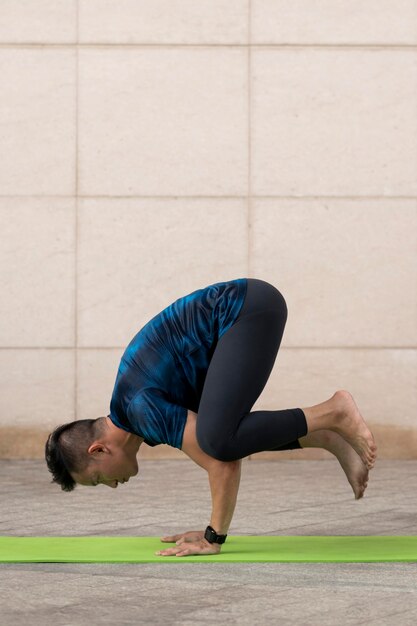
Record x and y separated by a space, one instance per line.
210 535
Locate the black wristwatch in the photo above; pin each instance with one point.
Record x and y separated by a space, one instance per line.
213 537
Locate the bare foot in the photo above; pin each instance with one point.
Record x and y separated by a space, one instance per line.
350 424
356 472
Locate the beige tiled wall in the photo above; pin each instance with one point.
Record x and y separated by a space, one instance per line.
149 148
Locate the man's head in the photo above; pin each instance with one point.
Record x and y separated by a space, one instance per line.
91 451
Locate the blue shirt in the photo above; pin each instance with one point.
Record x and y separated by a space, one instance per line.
162 371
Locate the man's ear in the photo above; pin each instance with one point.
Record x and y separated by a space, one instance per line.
97 448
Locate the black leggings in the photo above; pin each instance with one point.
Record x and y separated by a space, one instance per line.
239 369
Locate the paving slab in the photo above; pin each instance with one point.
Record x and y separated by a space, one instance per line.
286 497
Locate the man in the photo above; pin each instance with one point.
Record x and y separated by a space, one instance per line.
189 378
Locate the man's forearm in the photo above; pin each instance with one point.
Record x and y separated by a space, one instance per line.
224 478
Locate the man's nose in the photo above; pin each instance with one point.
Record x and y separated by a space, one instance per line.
113 484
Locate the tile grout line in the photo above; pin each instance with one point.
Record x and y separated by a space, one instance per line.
249 184
261 46
194 197
282 347
75 414
249 139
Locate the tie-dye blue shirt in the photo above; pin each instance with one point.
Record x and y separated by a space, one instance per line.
162 371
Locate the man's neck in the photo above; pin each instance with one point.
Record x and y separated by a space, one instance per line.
124 438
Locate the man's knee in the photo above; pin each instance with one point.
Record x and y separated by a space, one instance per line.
271 296
216 448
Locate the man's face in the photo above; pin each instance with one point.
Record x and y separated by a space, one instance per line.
108 467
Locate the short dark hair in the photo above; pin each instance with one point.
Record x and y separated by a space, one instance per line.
66 449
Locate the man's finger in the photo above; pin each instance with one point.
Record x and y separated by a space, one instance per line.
183 553
169 552
171 539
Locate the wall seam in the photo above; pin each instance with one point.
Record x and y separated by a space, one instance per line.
272 46
283 347
213 197
76 220
249 183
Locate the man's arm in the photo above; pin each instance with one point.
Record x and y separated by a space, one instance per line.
224 484
224 479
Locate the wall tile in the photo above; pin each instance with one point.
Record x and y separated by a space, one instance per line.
163 122
338 264
171 118
334 122
37 388
330 22
37 117
37 268
382 382
96 375
136 256
164 21
38 21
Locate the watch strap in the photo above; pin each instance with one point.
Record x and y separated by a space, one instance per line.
213 537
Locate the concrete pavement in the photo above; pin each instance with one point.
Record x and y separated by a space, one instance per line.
276 497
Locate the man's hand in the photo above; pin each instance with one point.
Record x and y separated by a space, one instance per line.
191 535
188 549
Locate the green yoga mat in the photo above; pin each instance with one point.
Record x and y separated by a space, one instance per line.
237 549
